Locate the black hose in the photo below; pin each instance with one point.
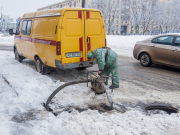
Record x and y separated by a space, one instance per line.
60 88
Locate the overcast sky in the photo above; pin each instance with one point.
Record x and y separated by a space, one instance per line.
16 8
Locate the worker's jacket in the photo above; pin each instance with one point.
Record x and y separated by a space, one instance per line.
100 54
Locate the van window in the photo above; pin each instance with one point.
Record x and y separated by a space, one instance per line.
29 28
39 27
26 28
23 31
18 28
51 27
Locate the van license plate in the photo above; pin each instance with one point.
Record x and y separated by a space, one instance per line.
74 54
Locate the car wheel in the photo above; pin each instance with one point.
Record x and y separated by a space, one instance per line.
17 57
39 65
145 60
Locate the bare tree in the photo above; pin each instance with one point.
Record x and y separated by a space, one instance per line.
162 18
148 13
110 10
135 14
142 14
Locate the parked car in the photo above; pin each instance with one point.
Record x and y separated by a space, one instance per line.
162 49
59 38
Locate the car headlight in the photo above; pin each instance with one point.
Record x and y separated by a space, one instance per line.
73 54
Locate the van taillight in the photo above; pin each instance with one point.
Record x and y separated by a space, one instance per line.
58 48
105 43
135 45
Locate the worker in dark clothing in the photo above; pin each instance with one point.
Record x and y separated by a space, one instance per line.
107 63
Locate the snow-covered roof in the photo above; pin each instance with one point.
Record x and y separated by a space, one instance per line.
54 12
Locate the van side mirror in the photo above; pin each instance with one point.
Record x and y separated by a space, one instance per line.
11 32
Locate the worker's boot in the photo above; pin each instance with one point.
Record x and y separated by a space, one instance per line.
114 87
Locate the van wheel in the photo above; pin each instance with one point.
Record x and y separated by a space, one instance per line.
145 60
39 66
17 57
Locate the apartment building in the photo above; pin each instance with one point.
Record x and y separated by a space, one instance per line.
125 17
7 23
65 4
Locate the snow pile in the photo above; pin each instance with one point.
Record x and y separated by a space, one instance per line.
49 14
124 45
22 91
6 40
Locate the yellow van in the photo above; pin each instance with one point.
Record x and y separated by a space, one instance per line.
59 38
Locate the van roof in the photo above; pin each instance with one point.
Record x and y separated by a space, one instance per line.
54 12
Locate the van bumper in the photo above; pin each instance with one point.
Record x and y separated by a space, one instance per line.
74 65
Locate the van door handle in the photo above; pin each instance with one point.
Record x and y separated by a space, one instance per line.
152 45
56 30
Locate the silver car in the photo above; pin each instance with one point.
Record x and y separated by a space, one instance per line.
161 49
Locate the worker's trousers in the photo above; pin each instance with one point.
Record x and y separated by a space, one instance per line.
113 69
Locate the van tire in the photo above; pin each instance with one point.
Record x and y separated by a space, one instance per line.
39 65
17 56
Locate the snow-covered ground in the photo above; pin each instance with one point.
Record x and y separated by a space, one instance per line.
123 45
23 90
6 40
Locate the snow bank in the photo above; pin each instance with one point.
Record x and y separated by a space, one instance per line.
124 45
6 40
22 91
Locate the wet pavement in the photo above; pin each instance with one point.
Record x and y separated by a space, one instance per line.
155 77
6 48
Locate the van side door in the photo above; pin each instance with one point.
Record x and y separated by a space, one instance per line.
95 33
26 40
17 38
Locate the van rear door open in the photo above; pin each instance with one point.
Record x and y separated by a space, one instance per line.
81 32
